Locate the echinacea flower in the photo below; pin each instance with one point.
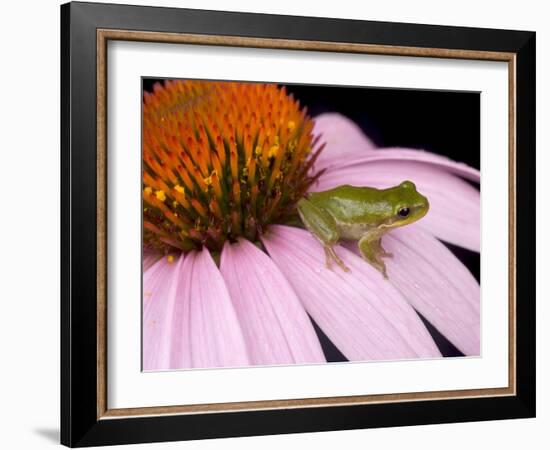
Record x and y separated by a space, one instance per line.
231 278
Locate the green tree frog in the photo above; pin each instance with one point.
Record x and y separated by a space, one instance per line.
363 214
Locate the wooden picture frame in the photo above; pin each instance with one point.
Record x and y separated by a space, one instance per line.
86 418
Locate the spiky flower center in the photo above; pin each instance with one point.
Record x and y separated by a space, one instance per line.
221 160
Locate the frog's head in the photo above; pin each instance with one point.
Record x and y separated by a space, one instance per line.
410 205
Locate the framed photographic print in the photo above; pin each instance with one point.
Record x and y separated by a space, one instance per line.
277 224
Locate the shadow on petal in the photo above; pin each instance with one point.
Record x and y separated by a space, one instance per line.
149 258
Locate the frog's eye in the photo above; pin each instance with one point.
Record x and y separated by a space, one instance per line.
403 212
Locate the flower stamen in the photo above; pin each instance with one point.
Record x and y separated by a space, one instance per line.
221 160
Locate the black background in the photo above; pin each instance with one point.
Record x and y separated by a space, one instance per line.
442 122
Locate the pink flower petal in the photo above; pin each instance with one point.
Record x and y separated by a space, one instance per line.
406 154
159 298
454 203
276 327
215 334
188 317
343 138
361 313
436 284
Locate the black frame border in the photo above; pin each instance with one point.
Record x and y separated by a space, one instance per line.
79 423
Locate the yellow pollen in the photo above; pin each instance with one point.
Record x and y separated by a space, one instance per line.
160 195
208 179
291 125
273 151
244 154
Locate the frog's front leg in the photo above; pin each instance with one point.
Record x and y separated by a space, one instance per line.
372 251
380 250
323 227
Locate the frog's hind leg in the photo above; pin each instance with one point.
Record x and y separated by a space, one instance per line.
372 251
322 226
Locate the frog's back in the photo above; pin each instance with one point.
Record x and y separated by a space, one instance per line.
353 204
